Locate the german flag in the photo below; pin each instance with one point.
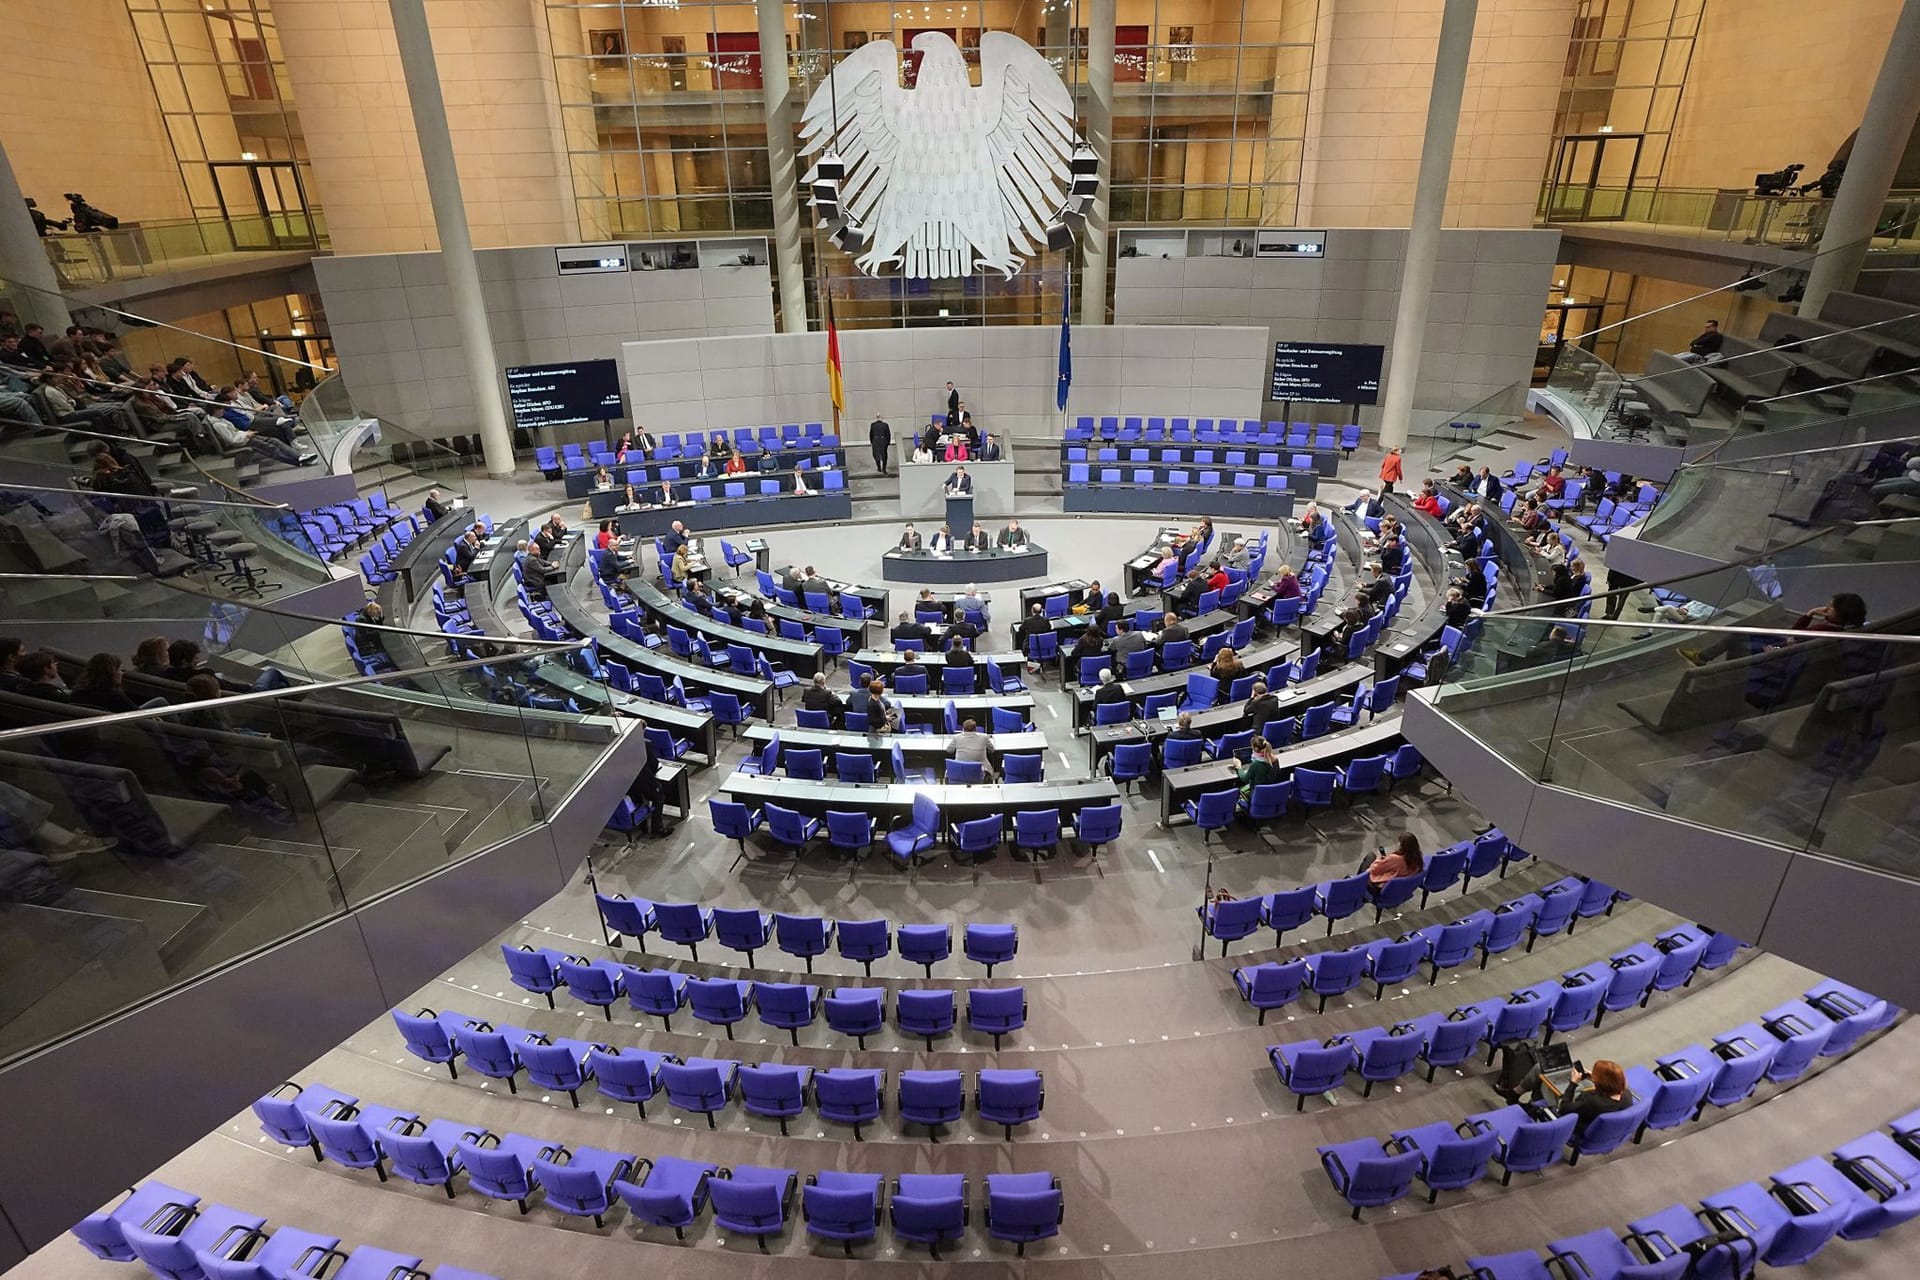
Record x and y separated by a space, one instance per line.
836 388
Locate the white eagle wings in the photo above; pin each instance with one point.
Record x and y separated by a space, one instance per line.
945 179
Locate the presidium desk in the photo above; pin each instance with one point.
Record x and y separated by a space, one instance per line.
996 565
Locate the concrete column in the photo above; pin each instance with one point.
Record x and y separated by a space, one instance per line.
456 240
23 259
1891 111
1429 203
1101 16
776 89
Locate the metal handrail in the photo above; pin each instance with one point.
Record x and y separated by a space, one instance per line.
1807 453
1889 637
250 696
255 505
1778 346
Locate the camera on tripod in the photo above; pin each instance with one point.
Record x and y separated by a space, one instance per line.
1777 183
88 218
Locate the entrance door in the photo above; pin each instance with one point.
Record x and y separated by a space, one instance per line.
263 204
1593 176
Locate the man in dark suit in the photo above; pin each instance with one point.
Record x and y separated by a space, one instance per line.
990 449
674 539
1183 730
1034 624
464 552
1171 629
953 406
909 628
979 539
910 538
1013 536
880 436
645 788
959 481
1261 707
820 698
536 574
812 583
1110 690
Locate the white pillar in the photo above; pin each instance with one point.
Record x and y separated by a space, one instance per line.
1429 203
23 259
776 90
456 240
1101 16
1891 111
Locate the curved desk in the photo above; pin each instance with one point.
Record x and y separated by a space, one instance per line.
965 566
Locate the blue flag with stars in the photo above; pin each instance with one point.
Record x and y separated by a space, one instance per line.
1065 382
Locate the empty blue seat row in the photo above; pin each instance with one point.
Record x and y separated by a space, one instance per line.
721 1002
1857 1191
1251 431
1035 831
1523 1138
749 930
1231 919
176 1235
666 1191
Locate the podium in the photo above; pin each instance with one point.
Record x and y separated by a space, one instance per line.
960 514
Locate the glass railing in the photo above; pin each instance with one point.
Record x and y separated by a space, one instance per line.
1736 216
224 548
1794 737
390 459
83 259
1450 438
146 848
1753 506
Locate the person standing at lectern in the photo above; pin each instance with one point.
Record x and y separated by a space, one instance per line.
959 482
910 538
880 435
1013 537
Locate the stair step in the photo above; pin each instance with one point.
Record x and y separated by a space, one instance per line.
174 929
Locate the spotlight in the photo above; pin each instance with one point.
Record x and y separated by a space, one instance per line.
1059 236
848 235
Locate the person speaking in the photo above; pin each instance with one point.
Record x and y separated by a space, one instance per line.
959 482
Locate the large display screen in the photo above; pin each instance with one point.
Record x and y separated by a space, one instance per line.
1326 372
553 395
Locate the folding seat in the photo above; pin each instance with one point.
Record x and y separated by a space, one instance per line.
535 969
1008 1098
284 1116
595 982
1023 1208
1336 973
865 941
1504 926
1720 949
1631 982
1394 893
580 1180
167 1241
925 1014
1854 1014
1271 985
1452 945
700 1085
1787 1226
1452 1156
857 1011
1681 1229
1451 1037
1338 899
657 993
1802 1034
742 929
1312 1066
774 1090
720 1001
1554 915
429 1036
847 1095
1384 1054
1528 1142
500 1167
786 1005
1876 1178
625 1074
671 1193
1288 909
996 1011
1393 960
1369 1173
1577 997
1442 869
627 917
1595 899
1608 1132
1603 1255
1675 1094
103 1232
287 1251
841 1206
802 936
1228 919
931 1098
750 1200
1518 1016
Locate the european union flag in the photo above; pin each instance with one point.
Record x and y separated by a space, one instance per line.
1065 381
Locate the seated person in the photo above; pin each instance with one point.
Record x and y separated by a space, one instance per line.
1226 666
942 540
1013 536
602 479
1183 730
1473 582
1286 584
769 462
1111 610
910 539
1552 485
705 469
971 744
958 655
1429 499
1034 624
800 488
1393 554
819 697
736 463
1457 608
979 539
101 687
1110 690
1367 506
1260 769
1172 630
1262 706
1405 860
1126 641
910 628
1529 517
1090 643
922 451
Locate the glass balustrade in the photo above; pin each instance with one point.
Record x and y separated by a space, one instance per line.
146 848
137 250
1735 216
